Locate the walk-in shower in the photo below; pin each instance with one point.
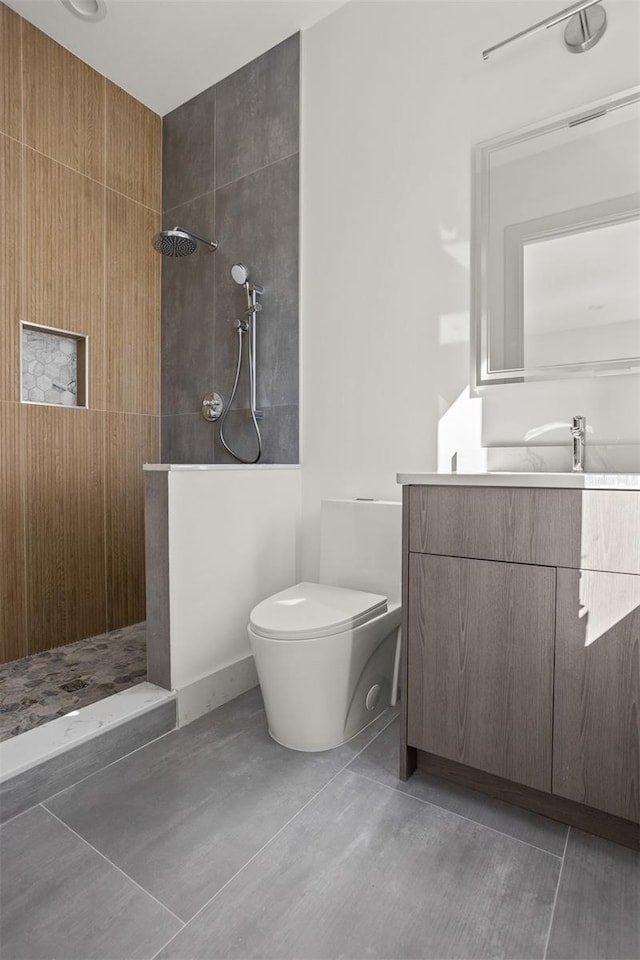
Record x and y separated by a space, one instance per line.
179 242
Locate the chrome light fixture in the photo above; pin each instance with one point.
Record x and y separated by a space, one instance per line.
587 24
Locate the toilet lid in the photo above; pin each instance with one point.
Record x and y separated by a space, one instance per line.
314 610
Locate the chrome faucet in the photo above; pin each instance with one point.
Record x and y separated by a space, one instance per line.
578 437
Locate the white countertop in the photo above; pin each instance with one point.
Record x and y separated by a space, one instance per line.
579 481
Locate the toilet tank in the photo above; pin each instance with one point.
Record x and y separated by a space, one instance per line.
361 545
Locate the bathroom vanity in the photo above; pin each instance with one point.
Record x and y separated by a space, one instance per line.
521 641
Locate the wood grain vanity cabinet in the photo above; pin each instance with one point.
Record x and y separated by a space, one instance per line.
596 744
522 648
481 650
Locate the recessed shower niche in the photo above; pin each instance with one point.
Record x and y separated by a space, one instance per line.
53 366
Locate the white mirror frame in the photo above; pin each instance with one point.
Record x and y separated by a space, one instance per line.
481 372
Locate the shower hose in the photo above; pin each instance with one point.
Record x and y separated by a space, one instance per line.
243 326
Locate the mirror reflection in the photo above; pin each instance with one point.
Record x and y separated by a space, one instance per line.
557 247
580 296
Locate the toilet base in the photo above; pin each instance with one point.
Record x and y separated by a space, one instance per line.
340 743
322 692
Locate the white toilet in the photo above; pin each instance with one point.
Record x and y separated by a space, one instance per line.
327 653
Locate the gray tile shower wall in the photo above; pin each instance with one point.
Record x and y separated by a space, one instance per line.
279 431
188 313
257 223
187 438
258 113
188 150
230 171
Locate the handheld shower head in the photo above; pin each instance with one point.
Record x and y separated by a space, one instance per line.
180 243
240 273
241 276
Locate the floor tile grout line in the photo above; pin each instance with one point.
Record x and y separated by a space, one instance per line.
41 803
369 742
106 766
76 783
161 736
94 772
555 899
112 762
274 837
477 823
115 866
5 823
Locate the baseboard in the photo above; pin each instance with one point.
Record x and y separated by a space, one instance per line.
217 688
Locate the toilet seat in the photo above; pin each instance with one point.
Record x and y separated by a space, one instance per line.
307 611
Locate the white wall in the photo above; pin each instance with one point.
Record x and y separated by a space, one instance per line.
232 542
394 95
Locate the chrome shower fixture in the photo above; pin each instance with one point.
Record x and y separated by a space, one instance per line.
240 274
178 242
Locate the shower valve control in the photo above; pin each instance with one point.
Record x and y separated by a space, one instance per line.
212 406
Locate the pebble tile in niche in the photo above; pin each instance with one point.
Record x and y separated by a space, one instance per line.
47 685
49 367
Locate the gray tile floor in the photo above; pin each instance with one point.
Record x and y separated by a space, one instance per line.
215 842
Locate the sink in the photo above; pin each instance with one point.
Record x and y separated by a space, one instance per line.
607 458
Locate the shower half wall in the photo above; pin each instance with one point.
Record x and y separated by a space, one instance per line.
214 550
230 171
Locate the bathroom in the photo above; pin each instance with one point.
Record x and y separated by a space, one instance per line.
394 97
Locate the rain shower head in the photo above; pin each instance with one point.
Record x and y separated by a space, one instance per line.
180 243
240 273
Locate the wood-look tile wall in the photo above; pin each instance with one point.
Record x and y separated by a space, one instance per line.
80 201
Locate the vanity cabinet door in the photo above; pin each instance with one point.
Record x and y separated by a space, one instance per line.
596 756
480 664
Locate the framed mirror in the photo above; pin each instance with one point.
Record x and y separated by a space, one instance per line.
556 247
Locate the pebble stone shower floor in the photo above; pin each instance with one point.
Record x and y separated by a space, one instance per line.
48 685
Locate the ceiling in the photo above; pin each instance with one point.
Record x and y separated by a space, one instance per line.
163 52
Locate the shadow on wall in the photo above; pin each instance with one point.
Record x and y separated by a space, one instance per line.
459 428
460 419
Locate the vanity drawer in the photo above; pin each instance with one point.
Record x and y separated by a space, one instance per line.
517 525
579 529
